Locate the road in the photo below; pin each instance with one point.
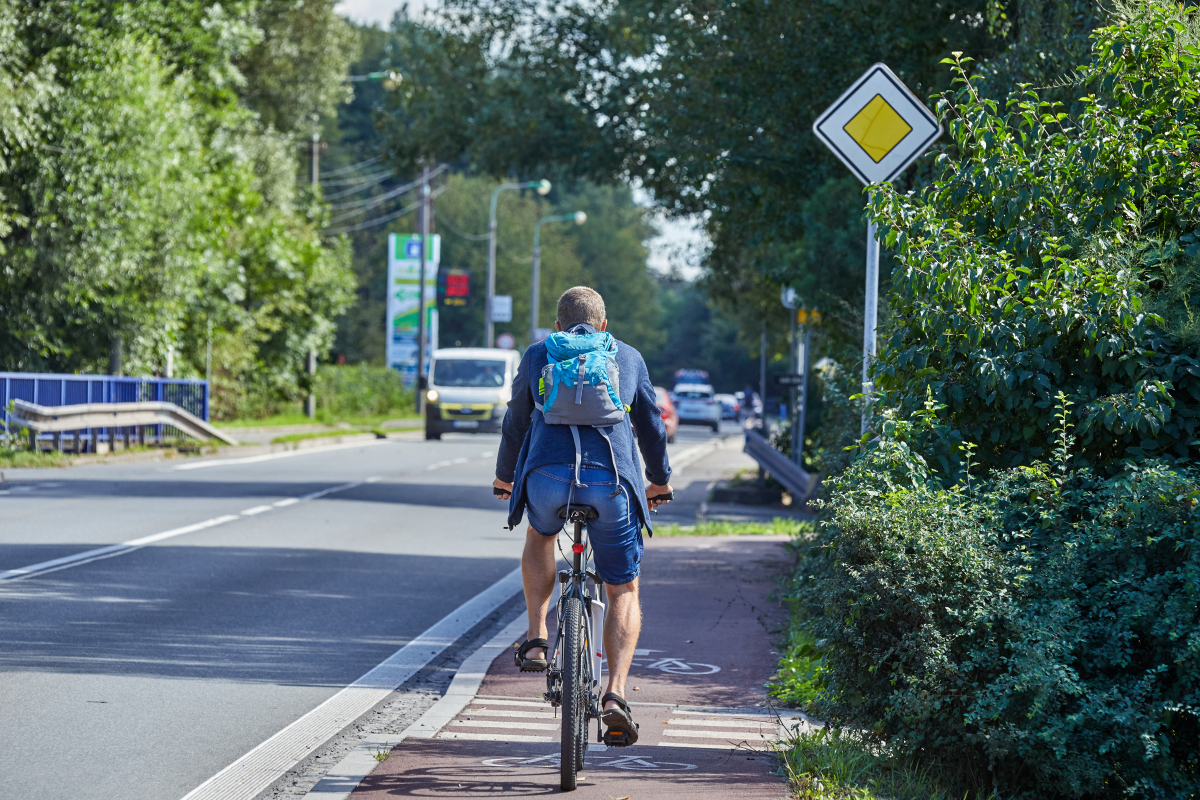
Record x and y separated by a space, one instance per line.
141 672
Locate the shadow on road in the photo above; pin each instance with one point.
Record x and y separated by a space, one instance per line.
274 615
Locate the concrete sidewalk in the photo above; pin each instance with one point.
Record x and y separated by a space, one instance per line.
696 689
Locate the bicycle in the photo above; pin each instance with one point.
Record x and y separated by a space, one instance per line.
573 677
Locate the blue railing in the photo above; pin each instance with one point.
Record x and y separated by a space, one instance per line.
49 389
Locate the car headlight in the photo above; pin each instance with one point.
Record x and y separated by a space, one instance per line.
432 395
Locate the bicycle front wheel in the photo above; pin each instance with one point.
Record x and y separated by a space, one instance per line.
575 694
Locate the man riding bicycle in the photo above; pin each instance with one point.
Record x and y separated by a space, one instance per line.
550 468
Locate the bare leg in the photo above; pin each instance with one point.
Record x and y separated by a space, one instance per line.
622 626
537 575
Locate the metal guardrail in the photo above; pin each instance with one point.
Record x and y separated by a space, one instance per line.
56 389
56 419
799 483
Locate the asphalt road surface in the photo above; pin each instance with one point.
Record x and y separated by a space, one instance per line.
141 672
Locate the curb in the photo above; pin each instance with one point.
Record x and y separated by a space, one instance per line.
343 779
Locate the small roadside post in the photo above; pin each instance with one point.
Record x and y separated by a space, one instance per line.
877 128
791 301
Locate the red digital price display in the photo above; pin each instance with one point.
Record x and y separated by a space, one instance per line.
456 287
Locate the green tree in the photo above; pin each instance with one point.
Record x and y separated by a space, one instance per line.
1034 261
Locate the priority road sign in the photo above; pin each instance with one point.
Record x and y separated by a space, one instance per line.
877 127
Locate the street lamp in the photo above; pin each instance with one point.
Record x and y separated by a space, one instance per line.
578 218
543 188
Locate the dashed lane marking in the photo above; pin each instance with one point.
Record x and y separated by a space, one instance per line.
87 556
223 462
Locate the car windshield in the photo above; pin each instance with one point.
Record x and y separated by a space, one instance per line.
474 372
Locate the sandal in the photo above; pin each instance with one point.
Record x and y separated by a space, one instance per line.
531 664
622 730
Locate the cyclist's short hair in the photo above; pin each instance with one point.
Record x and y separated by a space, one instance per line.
581 304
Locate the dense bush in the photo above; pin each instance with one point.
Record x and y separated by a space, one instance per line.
361 391
1040 629
1056 251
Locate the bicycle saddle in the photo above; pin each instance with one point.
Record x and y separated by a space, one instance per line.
588 512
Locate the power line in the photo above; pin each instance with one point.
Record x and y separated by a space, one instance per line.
474 237
371 202
353 167
358 179
363 205
372 222
379 220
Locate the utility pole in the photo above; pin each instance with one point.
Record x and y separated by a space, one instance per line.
793 411
310 404
802 412
423 210
762 378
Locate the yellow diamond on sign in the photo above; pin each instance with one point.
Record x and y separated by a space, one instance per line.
877 128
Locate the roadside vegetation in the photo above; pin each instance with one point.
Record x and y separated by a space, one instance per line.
19 457
1000 600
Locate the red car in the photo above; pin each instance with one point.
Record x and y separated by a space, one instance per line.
670 416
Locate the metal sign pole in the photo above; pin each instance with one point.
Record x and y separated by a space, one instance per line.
870 312
794 411
802 414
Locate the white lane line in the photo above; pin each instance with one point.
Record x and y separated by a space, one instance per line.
544 713
245 778
502 702
117 549
112 549
360 762
738 746
729 736
719 723
493 737
250 512
287 501
222 462
492 723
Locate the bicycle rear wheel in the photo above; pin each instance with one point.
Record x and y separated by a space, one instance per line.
575 694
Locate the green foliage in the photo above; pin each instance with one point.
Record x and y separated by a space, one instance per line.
800 677
1041 626
836 764
1031 262
151 206
361 391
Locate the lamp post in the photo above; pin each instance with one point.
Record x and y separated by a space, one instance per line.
578 218
543 188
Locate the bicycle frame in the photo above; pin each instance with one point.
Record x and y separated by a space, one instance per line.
573 582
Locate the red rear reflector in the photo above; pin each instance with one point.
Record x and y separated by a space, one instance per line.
599 655
576 548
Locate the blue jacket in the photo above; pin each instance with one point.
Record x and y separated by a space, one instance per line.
530 443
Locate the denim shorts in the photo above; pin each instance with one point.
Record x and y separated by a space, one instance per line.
616 537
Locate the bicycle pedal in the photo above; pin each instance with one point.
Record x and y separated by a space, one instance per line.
619 739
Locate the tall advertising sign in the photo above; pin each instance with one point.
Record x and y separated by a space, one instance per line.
404 273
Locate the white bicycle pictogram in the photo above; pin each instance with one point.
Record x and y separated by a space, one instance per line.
673 666
637 763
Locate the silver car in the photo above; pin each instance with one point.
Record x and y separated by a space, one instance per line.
696 404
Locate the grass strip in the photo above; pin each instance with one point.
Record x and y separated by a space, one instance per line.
779 525
14 458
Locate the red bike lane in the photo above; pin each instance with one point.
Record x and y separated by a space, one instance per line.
696 689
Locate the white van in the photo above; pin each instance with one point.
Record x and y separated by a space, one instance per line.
469 390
